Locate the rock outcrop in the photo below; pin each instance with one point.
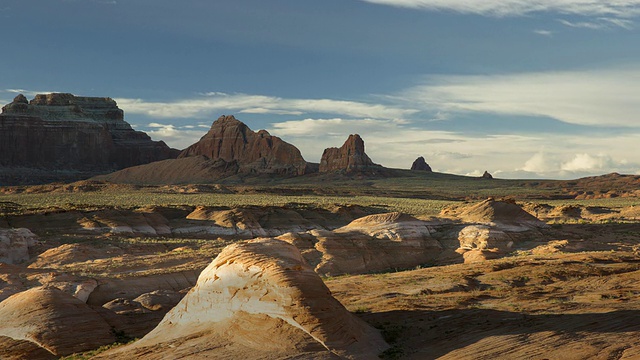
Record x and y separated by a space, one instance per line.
230 150
506 214
486 175
259 152
258 300
15 244
66 137
53 321
420 165
350 157
368 244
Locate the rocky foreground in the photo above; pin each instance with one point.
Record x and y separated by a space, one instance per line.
490 280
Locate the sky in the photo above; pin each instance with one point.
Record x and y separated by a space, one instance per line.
520 88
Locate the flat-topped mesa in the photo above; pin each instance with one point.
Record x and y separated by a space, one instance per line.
259 152
420 165
80 135
66 106
350 157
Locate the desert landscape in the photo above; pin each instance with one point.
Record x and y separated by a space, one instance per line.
237 247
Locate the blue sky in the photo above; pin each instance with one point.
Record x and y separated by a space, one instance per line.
523 89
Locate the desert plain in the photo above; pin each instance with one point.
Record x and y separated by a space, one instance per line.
439 266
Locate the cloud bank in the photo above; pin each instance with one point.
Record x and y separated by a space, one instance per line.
216 102
591 97
501 8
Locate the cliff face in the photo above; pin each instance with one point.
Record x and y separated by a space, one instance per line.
232 141
350 157
63 132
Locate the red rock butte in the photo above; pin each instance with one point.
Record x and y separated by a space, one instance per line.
232 141
350 157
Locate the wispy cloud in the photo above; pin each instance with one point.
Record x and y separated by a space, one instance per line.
620 9
548 33
599 23
592 97
29 93
216 103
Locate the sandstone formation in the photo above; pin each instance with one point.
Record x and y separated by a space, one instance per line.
268 304
372 243
486 175
421 165
230 150
54 321
350 157
62 137
506 214
232 141
15 244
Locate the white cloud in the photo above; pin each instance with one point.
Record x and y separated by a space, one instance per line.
540 163
500 8
178 137
590 97
548 33
216 103
583 24
28 93
599 23
586 162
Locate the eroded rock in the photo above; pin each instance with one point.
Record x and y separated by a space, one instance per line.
259 152
15 244
268 304
54 321
420 165
350 157
82 136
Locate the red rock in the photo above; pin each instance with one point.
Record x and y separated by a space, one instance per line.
259 152
348 158
421 165
76 136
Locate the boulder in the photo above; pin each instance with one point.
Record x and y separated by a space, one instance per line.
484 237
420 165
53 320
258 300
66 137
350 157
15 244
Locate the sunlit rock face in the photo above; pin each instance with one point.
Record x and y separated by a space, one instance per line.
258 299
